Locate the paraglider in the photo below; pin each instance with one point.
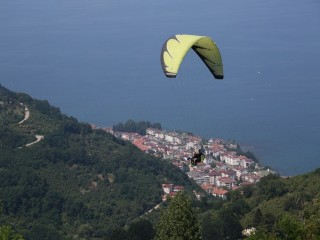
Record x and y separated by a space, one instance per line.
176 47
197 158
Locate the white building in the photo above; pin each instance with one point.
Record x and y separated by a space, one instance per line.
225 182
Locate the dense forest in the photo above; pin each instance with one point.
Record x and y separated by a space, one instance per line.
135 127
276 208
80 183
75 183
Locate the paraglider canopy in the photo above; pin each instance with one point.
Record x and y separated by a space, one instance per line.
176 47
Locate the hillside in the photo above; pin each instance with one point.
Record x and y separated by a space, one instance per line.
73 181
286 208
275 207
61 179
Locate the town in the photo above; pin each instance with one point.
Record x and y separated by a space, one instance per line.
221 171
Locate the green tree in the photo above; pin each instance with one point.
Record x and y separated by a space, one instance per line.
137 127
311 219
6 233
258 235
178 221
118 234
272 186
227 225
257 217
290 227
141 230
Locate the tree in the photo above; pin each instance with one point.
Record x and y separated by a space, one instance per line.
178 221
118 234
6 233
290 227
137 127
272 186
208 227
311 219
141 230
227 225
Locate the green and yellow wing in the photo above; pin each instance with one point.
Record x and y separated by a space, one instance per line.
176 47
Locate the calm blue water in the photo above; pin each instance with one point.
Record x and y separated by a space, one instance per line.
98 60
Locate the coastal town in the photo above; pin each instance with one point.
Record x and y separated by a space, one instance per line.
223 168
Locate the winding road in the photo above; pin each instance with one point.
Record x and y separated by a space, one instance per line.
26 117
38 137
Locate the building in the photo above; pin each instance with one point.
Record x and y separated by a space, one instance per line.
219 192
225 182
213 177
167 188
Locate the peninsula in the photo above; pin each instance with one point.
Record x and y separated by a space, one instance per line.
225 167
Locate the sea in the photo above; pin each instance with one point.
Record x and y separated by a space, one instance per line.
99 61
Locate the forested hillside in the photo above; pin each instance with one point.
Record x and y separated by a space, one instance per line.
274 208
60 179
284 208
74 182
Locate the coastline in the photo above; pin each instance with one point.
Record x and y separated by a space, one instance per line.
226 165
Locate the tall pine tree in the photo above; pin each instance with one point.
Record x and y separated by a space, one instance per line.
178 221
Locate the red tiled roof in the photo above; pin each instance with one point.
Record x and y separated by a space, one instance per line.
235 187
226 180
172 194
139 144
229 172
219 191
178 188
214 173
167 185
206 187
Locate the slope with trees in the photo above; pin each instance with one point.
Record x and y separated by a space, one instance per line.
274 208
75 183
135 127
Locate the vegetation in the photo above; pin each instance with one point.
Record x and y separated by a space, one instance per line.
80 183
77 182
7 233
178 221
284 208
274 208
135 127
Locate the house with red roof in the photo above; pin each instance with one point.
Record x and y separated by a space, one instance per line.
225 182
167 187
219 192
207 187
178 188
221 165
228 173
246 162
170 190
230 158
240 171
139 143
250 177
213 176
216 149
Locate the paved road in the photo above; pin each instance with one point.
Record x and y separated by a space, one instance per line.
26 115
38 137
